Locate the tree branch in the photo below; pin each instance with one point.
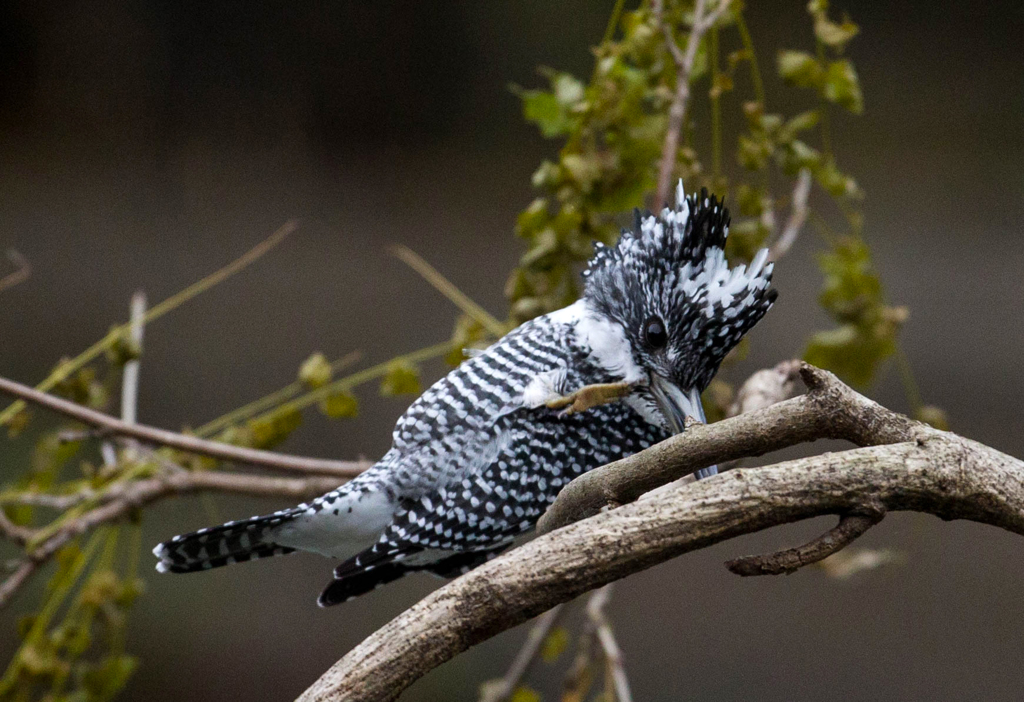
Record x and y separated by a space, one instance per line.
797 217
16 579
849 529
502 690
702 22
830 410
609 646
920 469
184 442
23 273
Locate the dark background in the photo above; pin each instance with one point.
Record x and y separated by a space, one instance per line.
144 144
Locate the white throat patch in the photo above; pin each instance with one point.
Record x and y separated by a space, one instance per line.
606 340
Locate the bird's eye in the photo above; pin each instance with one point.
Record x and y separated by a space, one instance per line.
654 333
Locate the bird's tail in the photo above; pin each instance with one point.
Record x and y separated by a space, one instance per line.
234 542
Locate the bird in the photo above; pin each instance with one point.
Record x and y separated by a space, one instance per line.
480 455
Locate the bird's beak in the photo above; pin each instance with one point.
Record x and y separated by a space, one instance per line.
676 404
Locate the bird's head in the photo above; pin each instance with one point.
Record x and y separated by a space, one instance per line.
675 306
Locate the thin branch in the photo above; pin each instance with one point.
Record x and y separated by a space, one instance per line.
684 67
606 637
849 529
23 272
448 289
130 379
65 369
15 580
135 495
13 532
184 442
121 500
503 689
267 402
797 217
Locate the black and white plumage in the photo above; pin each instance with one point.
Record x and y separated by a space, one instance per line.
479 456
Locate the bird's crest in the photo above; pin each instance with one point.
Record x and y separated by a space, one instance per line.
673 266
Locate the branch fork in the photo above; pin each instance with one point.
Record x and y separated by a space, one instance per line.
900 465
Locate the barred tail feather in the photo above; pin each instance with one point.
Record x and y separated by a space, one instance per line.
234 542
371 569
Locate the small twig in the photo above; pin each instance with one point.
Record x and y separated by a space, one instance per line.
15 580
595 610
130 379
850 528
59 502
65 369
448 289
797 217
184 442
503 689
578 679
13 532
19 276
684 67
68 436
125 500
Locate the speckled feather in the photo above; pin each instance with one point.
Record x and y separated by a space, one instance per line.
479 456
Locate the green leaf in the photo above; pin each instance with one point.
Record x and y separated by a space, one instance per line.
828 32
935 416
315 371
532 218
797 155
524 694
468 334
800 68
851 283
569 90
340 404
107 679
801 123
19 422
554 644
835 35
746 238
402 378
851 352
582 169
753 153
543 109
842 87
275 428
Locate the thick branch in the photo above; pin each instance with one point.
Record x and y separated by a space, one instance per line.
184 442
940 473
830 410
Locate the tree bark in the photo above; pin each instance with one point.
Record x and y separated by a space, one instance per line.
909 467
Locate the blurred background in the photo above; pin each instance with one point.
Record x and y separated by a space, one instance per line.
145 144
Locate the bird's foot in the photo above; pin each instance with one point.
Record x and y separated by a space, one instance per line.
591 396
